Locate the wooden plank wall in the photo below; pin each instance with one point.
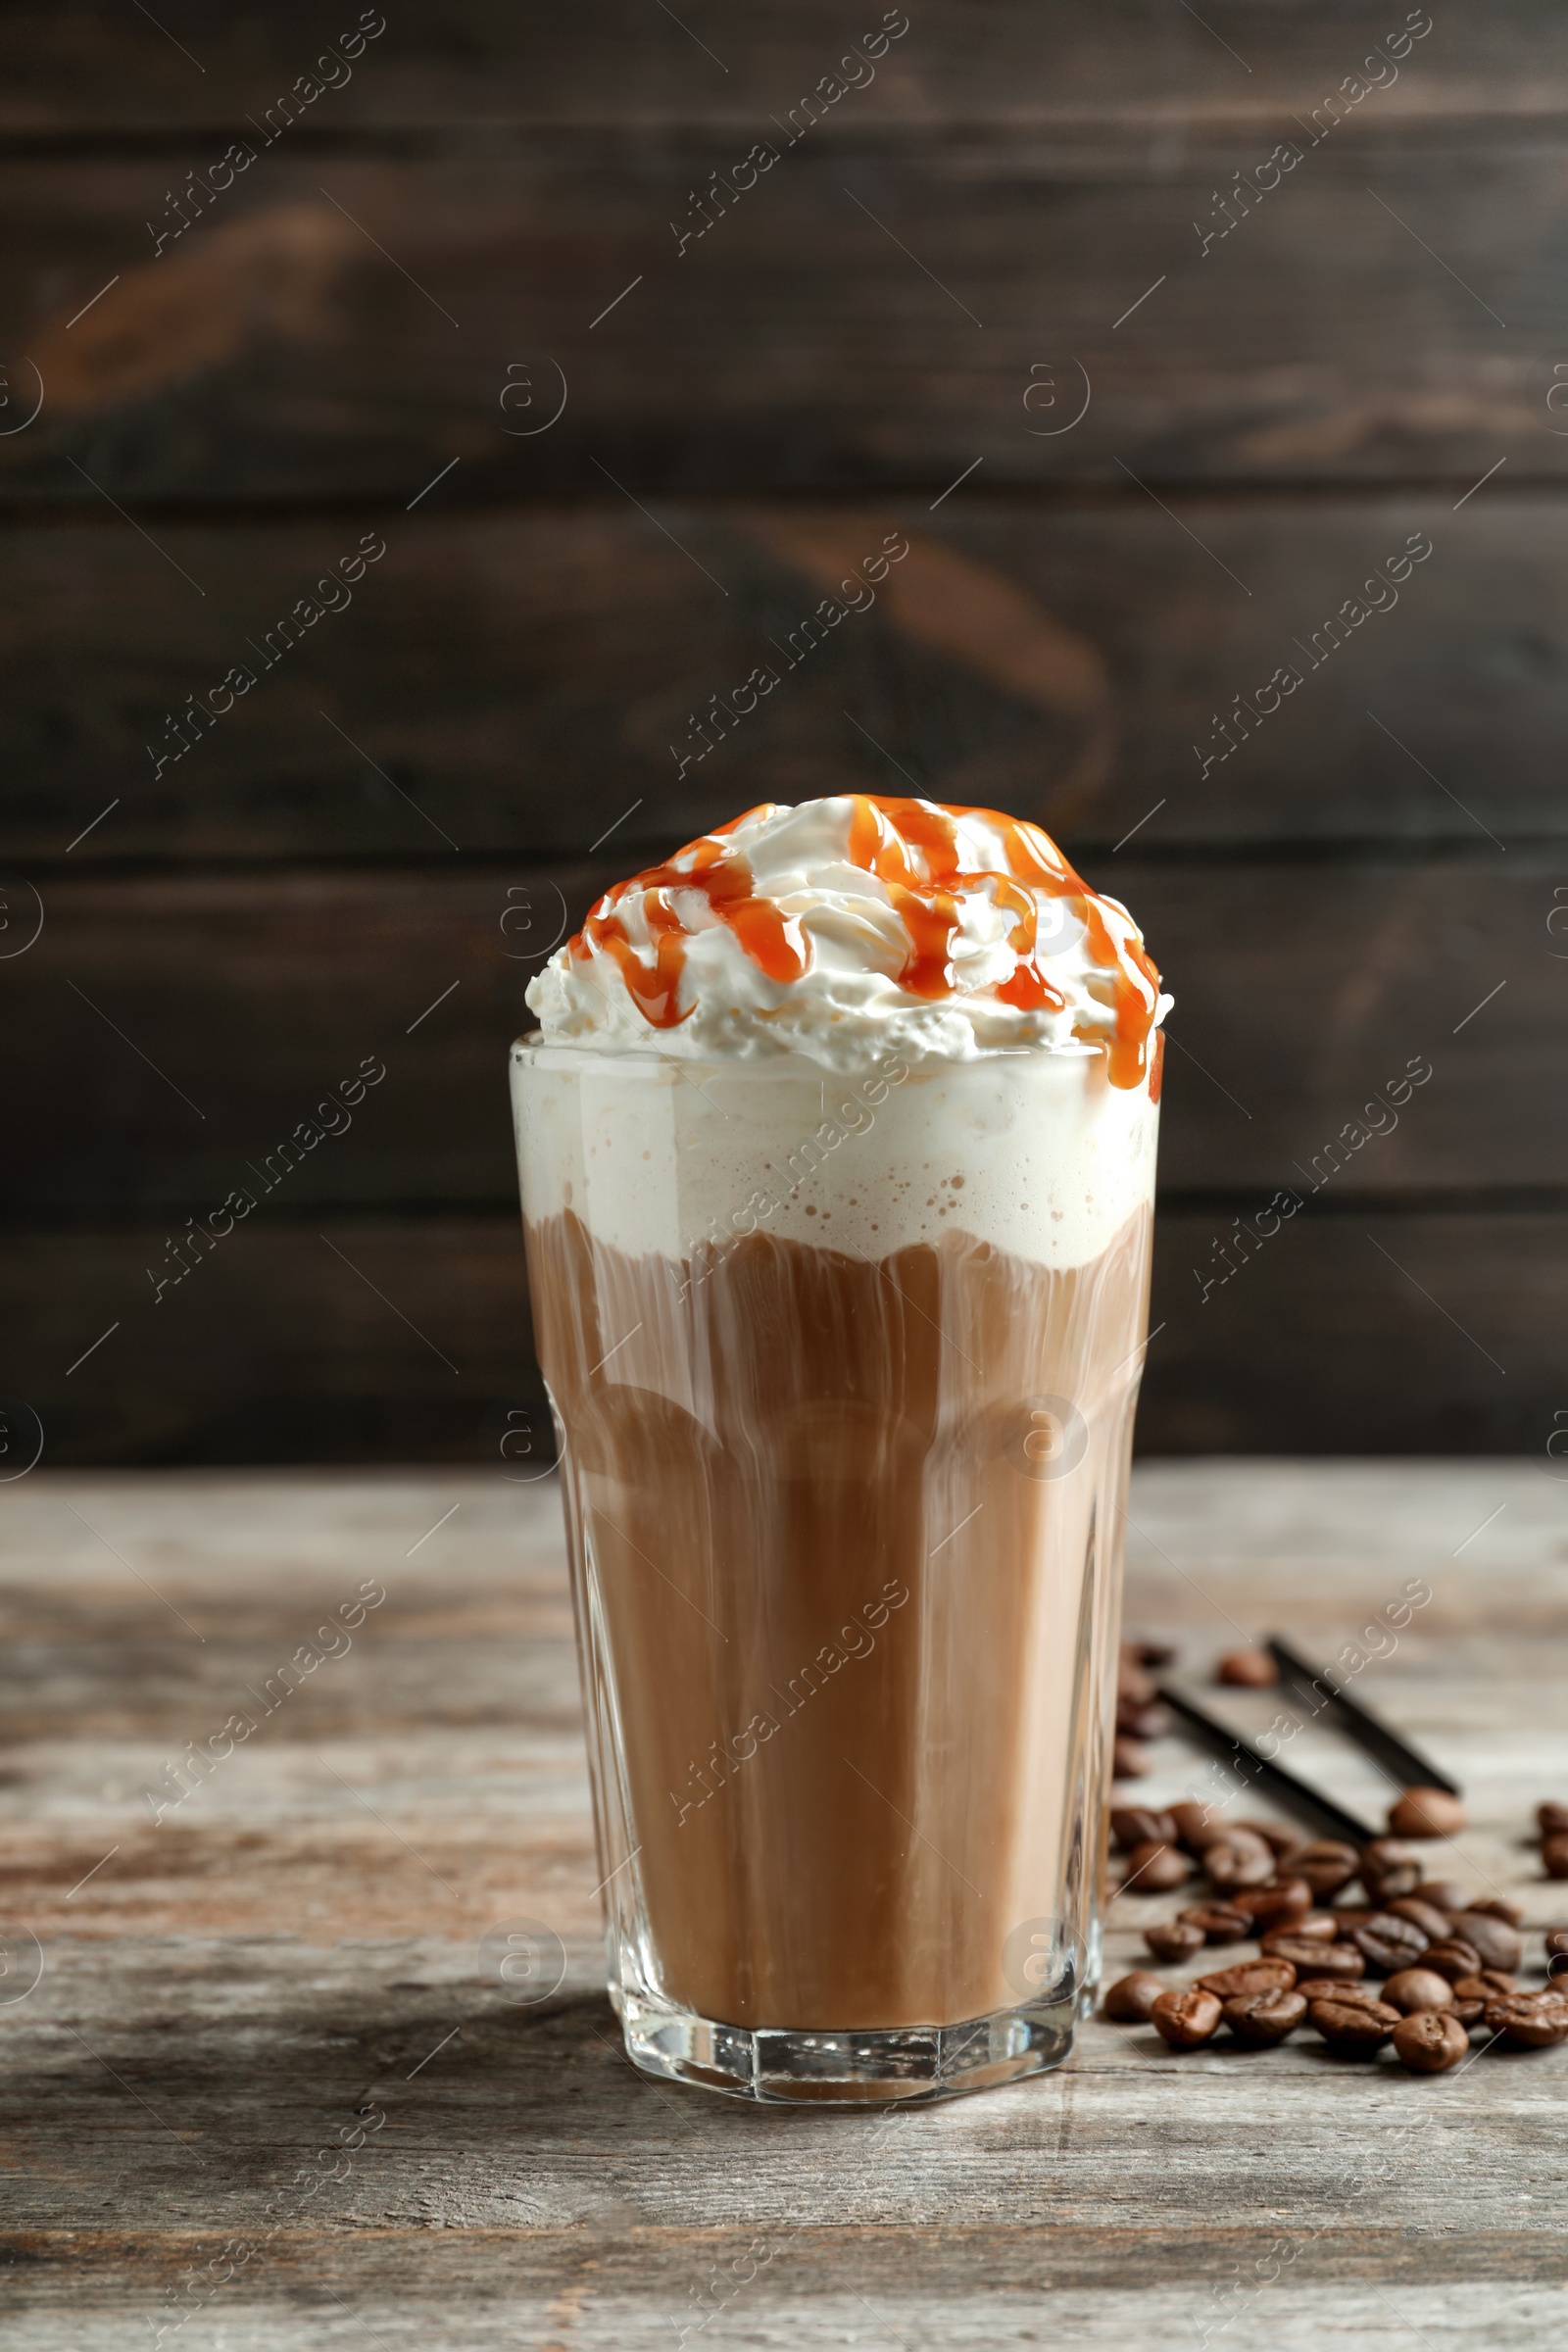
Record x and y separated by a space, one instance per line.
1197 397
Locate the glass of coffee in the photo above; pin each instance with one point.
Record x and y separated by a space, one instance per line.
837 1153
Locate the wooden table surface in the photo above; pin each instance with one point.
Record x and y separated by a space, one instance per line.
264 2093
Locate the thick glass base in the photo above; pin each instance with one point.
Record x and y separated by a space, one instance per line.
866 2068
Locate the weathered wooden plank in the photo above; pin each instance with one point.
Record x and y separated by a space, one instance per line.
601 2292
1297 986
1321 1343
530 681
1162 2146
168 2089
367 1338
178 1037
272 351
287 1028
75 70
1402 1334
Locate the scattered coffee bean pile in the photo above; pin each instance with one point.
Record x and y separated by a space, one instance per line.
1448 1963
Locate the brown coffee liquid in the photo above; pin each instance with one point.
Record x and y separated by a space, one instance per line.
845 1586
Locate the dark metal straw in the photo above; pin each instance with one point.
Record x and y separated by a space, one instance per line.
1296 1796
1408 1766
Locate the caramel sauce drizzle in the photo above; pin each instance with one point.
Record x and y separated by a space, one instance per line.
913 849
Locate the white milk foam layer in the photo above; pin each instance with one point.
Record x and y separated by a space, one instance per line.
1034 1152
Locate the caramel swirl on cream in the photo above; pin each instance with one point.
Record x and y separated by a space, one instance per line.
850 926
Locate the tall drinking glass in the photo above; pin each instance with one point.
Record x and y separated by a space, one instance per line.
843 1370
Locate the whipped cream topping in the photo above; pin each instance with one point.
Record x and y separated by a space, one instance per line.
849 928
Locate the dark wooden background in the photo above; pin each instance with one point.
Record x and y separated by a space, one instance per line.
414 801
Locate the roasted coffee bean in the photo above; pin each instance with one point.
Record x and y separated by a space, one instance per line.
1554 1855
1529 2021
1197 1826
1326 1989
1387 1868
1386 1942
1154 1868
1172 1939
1325 1864
1430 2042
1130 1760
1551 1819
1358 2028
1238 1859
1129 2002
1558 1944
1134 1682
1309 1955
1427 1917
1444 1894
1500 1944
1318 1927
1452 1958
1350 1916
1283 1886
1426 1813
1248 1670
1275 1905
1140 1824
1498 1906
1469 2009
1261 2019
1413 1988
1249 1975
1186 2019
1219 1923
1277 1834
1490 1984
